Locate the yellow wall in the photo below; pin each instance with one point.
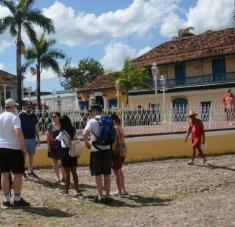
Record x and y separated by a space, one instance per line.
230 64
157 147
194 97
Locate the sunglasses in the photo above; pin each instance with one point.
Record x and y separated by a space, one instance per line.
54 116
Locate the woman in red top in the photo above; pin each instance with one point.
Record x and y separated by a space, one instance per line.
196 128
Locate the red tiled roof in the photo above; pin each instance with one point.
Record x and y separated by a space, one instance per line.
100 82
206 45
7 78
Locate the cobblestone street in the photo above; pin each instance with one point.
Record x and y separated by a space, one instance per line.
162 193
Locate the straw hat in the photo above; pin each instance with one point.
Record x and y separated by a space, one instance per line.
192 113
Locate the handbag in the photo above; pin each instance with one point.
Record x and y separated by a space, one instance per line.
75 148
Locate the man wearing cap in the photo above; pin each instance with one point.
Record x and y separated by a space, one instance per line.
100 156
12 153
196 128
29 125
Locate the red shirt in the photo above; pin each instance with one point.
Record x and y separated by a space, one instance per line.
224 99
197 129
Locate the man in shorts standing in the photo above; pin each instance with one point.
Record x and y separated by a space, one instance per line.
29 125
12 153
100 156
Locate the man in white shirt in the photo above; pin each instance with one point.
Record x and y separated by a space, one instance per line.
100 156
12 153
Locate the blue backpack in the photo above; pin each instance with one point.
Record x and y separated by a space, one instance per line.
106 131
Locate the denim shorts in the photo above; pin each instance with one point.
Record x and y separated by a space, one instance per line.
30 145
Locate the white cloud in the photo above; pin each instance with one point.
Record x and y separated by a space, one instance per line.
4 44
2 65
117 52
206 15
143 51
74 28
45 75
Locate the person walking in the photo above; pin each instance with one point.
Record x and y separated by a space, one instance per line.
100 156
119 155
230 107
29 125
12 153
196 128
69 163
54 146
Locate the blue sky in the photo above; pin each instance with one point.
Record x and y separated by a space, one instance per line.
111 30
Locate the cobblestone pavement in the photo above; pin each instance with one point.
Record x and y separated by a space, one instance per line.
162 193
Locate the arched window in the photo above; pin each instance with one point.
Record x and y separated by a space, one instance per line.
179 112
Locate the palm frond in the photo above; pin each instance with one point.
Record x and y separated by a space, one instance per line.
5 23
55 54
31 54
9 4
30 31
36 17
26 65
50 63
29 4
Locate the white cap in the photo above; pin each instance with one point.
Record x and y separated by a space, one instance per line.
10 103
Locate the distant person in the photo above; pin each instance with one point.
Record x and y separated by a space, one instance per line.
54 146
100 156
196 128
224 98
69 164
29 125
12 153
230 107
119 155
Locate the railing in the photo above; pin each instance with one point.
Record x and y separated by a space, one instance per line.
201 79
138 121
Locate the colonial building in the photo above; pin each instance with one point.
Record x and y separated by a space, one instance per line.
199 69
101 90
8 87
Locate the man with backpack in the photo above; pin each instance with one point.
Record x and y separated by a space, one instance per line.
102 134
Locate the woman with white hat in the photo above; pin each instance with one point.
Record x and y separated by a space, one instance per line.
196 128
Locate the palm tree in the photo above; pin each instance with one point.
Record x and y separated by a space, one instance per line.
44 56
130 78
23 17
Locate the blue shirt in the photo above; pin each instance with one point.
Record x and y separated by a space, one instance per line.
28 122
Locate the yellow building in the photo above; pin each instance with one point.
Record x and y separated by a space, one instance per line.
101 90
199 70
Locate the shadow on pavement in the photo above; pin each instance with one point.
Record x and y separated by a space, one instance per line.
212 166
135 201
53 185
46 212
149 201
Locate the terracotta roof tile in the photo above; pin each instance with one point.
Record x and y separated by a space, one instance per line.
100 82
7 78
195 47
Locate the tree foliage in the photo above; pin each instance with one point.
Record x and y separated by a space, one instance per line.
77 76
22 18
42 55
130 78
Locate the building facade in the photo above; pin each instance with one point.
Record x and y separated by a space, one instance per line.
102 91
8 87
199 70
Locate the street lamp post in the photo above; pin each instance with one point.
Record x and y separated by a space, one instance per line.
163 83
117 86
155 71
59 103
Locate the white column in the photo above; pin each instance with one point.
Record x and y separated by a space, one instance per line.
5 92
105 102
